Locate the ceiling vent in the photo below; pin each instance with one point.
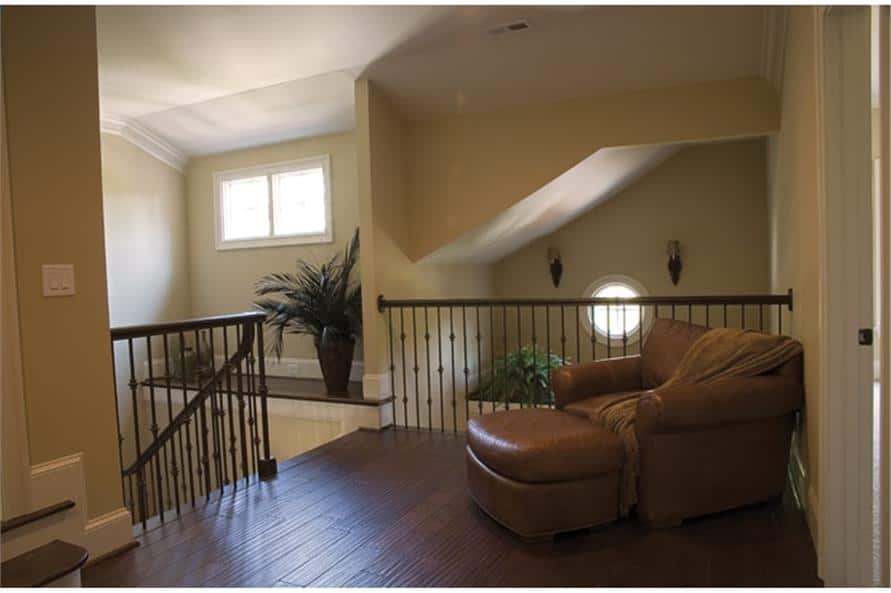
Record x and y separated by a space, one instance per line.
512 27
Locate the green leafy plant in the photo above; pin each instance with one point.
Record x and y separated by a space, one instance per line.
522 376
318 300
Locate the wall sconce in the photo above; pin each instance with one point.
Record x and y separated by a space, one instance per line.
556 265
674 261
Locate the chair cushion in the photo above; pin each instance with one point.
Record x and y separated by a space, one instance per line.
542 445
664 348
587 408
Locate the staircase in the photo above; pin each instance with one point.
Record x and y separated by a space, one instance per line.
191 411
55 564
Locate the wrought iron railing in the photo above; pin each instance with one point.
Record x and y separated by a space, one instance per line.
191 403
452 359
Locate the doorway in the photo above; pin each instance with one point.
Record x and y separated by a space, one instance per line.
853 300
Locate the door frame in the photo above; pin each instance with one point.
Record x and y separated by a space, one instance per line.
883 123
845 533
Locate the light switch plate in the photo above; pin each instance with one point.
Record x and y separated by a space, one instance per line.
58 280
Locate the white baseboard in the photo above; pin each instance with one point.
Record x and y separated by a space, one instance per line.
385 415
376 386
109 532
64 479
305 368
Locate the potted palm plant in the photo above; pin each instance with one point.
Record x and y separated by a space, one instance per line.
522 377
323 301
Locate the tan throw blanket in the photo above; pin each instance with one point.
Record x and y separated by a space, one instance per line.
720 353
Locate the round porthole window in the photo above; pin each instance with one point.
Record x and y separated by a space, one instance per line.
615 323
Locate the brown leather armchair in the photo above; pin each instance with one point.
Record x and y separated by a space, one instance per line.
703 448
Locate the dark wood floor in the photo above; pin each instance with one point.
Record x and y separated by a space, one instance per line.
391 509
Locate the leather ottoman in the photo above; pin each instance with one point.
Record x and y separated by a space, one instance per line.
540 472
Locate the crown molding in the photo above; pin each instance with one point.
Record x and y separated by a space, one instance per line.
773 44
146 141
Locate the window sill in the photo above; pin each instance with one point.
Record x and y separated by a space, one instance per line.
320 239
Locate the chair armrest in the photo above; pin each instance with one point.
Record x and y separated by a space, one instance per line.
685 407
575 382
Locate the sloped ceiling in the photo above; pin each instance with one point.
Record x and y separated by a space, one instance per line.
586 185
212 78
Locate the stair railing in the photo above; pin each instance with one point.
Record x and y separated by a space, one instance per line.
192 415
453 359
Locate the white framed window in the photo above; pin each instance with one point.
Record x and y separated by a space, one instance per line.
285 203
616 323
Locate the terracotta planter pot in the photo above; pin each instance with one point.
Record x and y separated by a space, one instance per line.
336 359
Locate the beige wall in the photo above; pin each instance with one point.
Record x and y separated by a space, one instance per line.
793 170
384 199
146 239
15 467
223 281
465 169
709 197
146 235
52 107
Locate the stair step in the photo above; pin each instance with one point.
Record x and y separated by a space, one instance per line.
22 520
42 565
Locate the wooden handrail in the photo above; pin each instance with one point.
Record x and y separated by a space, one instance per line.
739 299
157 329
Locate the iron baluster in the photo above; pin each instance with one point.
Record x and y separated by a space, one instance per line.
269 466
479 360
429 382
242 423
466 368
548 352
175 471
154 428
504 358
440 370
452 360
140 477
404 371
188 417
392 361
202 424
519 350
492 350
117 419
215 416
534 357
416 368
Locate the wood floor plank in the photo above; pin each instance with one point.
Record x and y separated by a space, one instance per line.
392 509
241 511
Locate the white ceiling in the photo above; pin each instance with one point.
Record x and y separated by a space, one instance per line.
569 52
585 186
213 78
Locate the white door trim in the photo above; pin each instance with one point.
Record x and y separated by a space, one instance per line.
845 420
883 13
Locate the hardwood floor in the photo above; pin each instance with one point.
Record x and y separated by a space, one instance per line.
391 509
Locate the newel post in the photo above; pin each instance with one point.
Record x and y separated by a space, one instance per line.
267 466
